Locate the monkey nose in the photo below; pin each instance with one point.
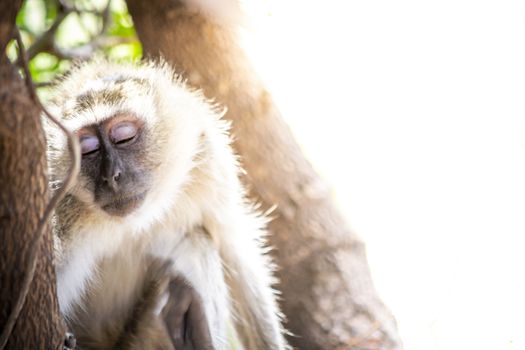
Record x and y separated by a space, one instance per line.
112 180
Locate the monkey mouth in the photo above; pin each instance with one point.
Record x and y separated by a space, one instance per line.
122 206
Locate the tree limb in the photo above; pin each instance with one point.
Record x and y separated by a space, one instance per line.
34 246
47 40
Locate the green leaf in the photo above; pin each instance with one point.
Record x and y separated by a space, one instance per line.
126 52
122 25
32 17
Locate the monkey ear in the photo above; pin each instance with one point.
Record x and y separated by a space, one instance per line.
185 317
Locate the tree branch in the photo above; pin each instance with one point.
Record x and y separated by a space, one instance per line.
46 41
71 175
86 51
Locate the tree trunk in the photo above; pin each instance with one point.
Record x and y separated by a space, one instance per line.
327 293
23 197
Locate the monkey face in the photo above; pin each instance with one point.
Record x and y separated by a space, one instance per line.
141 133
112 166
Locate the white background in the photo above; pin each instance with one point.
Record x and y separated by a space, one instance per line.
414 112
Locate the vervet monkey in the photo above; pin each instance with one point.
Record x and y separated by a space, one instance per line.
157 199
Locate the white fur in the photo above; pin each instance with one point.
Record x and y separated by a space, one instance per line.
196 186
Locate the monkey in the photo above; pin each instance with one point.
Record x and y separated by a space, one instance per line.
158 204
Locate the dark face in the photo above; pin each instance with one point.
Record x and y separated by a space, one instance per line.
112 162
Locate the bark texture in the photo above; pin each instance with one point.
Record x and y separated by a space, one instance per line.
23 197
327 293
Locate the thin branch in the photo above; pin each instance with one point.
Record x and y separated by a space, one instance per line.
47 40
106 18
72 7
44 84
86 51
59 194
82 52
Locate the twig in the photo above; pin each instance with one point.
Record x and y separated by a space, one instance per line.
106 18
105 15
81 52
44 84
46 40
86 51
74 8
59 194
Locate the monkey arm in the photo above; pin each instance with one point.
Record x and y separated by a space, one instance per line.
248 275
198 313
182 324
144 329
232 285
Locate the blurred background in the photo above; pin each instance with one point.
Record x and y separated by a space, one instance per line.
414 113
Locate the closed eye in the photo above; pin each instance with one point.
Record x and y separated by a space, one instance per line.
123 133
89 144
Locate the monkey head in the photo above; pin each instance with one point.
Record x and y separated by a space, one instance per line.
140 133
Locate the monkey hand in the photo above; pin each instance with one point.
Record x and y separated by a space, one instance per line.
185 317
